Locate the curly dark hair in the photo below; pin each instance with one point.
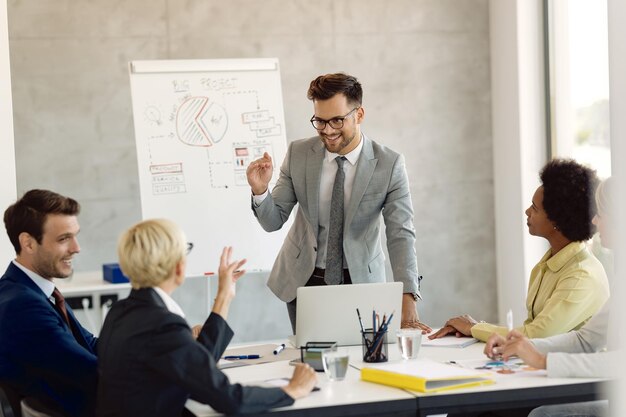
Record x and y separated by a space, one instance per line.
327 86
569 197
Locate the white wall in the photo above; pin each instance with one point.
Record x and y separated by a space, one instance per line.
617 91
7 150
519 149
424 65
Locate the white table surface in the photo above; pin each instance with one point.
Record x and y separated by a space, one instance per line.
354 391
90 282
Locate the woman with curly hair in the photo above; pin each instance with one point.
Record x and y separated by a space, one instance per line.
569 284
590 352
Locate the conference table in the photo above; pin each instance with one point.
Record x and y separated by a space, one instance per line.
353 397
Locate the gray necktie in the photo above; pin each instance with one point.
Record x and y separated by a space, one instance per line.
334 247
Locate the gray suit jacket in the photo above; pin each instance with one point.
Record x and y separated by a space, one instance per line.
380 185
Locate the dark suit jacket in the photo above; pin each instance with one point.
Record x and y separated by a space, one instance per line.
40 356
150 364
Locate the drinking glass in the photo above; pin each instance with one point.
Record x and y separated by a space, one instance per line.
335 363
409 342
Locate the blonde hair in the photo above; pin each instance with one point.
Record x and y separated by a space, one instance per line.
604 197
149 251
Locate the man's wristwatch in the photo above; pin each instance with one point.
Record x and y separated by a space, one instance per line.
414 295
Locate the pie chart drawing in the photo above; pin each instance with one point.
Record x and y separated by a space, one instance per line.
200 122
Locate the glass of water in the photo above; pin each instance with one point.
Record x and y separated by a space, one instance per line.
409 342
335 363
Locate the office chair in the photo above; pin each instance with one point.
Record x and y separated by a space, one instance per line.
9 402
29 411
5 406
31 407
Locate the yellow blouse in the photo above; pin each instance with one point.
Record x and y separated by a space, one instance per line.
564 291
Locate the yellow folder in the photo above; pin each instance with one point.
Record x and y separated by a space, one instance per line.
424 375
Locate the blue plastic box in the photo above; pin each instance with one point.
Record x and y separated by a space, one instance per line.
113 274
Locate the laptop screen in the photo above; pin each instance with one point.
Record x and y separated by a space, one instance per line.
328 313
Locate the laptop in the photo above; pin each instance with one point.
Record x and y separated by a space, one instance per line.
328 313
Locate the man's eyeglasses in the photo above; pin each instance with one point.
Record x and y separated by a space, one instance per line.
335 122
189 247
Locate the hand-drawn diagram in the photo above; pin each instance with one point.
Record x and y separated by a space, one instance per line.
153 115
198 125
261 123
212 124
167 179
243 155
201 122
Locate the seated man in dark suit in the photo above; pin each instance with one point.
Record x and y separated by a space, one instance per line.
44 351
148 360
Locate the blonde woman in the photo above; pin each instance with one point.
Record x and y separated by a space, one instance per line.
150 363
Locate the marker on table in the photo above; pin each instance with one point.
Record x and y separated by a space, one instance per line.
236 357
279 348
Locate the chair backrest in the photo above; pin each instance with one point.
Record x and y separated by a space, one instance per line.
34 407
9 402
6 410
30 410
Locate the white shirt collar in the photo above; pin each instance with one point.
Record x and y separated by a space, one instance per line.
171 305
45 285
351 156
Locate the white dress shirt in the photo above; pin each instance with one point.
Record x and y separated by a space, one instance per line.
46 286
171 305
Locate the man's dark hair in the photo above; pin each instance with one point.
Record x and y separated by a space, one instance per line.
326 86
28 214
569 197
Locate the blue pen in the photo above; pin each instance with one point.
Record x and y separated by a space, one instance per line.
235 357
374 320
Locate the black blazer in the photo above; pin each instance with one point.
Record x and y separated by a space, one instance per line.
149 364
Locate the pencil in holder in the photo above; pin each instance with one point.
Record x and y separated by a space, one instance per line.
375 346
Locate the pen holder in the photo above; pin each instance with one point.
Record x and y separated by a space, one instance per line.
375 346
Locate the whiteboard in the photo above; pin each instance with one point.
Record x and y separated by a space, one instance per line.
198 124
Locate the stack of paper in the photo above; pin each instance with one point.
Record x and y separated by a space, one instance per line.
448 341
424 375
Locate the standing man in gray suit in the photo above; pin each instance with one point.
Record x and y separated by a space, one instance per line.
342 181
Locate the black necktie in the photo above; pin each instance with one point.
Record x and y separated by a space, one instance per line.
334 246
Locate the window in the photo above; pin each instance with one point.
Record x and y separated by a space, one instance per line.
578 81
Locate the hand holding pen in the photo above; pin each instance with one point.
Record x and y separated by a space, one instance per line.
493 347
515 344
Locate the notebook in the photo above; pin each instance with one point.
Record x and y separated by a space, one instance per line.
424 375
328 313
448 341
